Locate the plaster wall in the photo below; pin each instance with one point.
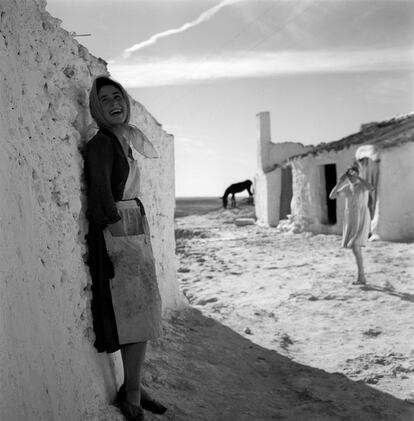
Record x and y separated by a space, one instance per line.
267 197
271 153
396 195
268 180
49 369
308 201
280 152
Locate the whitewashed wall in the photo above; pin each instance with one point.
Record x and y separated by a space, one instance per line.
394 218
309 189
396 193
268 177
267 197
49 369
270 153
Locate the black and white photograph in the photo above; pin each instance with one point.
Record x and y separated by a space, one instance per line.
207 210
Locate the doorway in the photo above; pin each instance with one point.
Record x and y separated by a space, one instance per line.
286 193
330 183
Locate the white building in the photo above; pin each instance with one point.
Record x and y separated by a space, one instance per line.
294 181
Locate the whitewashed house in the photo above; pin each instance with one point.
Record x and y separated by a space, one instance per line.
294 181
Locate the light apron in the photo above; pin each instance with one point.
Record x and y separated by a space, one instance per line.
134 289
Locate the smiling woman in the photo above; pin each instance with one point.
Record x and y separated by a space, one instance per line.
113 104
126 304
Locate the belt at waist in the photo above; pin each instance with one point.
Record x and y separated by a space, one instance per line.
131 203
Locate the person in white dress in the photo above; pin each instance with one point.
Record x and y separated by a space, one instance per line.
357 220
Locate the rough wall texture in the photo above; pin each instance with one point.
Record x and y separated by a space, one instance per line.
49 369
267 197
270 154
268 179
396 193
394 217
308 204
280 152
391 140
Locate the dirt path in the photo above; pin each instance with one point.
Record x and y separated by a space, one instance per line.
205 371
275 327
292 294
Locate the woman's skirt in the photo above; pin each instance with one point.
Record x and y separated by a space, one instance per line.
134 289
356 225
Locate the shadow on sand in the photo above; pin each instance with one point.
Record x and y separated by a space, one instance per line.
205 371
390 291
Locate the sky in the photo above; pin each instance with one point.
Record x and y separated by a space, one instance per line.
205 68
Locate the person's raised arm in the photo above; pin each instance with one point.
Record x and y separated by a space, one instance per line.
343 180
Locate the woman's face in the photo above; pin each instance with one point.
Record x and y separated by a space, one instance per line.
352 174
113 104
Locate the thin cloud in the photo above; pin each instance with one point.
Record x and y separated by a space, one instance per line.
204 17
182 70
186 145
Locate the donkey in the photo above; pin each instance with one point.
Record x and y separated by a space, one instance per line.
237 188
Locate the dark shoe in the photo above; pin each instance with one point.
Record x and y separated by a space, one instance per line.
131 412
120 396
153 406
148 404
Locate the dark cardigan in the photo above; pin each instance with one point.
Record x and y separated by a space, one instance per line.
106 172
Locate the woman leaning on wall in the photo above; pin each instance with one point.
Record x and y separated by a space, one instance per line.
126 304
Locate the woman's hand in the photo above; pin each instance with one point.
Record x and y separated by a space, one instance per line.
344 176
343 181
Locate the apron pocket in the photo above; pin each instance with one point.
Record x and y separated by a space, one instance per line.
132 220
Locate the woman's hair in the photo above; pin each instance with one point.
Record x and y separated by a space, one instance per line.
95 105
354 167
105 81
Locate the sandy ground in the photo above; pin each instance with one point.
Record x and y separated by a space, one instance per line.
276 331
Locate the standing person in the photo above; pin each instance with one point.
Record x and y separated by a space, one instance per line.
126 304
356 215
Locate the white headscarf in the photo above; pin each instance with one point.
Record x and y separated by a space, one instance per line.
131 134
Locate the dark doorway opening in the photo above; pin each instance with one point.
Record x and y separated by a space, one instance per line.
285 193
330 182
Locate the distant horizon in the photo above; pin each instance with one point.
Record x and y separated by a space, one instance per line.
208 197
197 197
